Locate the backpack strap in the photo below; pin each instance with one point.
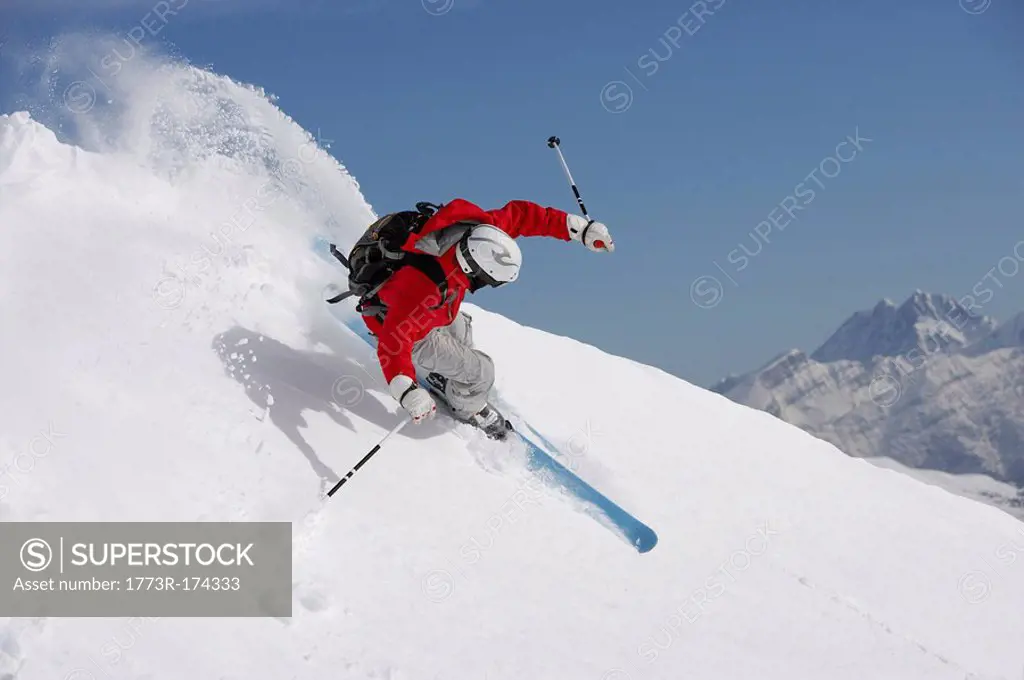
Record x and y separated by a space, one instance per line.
372 305
344 262
428 210
431 266
339 297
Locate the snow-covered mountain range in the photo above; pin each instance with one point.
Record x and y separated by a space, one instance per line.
162 325
925 383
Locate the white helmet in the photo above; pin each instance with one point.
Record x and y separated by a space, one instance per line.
489 256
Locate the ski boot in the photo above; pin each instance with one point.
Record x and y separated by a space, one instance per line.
494 425
488 419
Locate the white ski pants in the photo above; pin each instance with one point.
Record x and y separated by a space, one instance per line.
448 350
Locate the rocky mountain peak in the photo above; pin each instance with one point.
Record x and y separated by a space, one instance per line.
924 320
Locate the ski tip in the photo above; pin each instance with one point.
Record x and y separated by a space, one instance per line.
645 541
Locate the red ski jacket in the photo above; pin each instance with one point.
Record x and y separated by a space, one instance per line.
414 304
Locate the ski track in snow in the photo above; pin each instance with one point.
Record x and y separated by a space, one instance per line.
176 349
851 604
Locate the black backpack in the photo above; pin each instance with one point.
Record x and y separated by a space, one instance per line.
378 254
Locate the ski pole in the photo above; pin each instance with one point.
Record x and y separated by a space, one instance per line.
555 143
368 456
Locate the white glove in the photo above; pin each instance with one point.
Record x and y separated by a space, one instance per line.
593 235
413 398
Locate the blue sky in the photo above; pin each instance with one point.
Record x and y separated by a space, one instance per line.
687 126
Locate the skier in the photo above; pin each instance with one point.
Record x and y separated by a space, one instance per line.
412 270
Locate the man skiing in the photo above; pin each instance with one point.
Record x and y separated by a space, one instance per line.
414 312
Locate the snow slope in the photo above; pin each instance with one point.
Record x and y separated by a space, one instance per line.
981 488
183 368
